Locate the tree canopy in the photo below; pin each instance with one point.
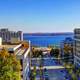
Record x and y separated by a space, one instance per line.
9 66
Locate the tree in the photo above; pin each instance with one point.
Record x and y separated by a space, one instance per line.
9 66
68 51
54 52
74 77
34 73
41 53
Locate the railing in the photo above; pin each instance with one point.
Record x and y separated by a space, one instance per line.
50 58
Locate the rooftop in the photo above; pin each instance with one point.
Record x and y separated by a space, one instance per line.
9 46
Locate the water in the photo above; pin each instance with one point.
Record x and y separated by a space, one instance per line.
44 40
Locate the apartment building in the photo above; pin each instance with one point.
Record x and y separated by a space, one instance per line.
10 36
77 47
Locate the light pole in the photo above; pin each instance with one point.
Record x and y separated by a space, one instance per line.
30 52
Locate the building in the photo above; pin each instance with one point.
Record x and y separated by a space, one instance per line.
77 47
8 35
22 52
15 40
66 49
0 41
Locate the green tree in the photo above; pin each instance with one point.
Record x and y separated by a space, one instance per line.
34 73
54 52
9 66
74 77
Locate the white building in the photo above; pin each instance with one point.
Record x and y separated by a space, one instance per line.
77 47
0 41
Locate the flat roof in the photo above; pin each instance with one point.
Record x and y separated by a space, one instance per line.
19 52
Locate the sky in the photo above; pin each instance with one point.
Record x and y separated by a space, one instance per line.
40 15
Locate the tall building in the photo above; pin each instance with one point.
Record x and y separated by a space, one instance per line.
8 36
77 47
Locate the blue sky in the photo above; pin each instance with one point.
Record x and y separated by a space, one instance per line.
40 15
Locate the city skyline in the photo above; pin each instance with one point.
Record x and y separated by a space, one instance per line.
40 15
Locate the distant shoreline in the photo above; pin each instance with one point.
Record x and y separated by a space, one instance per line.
49 34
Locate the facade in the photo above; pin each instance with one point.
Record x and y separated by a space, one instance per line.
77 47
67 49
14 40
0 41
8 35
